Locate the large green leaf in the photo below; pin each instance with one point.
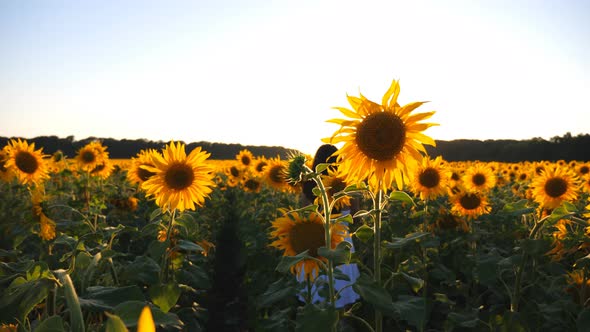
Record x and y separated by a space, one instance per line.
373 293
99 298
338 255
143 270
398 242
313 318
114 324
412 309
165 296
287 261
21 296
277 291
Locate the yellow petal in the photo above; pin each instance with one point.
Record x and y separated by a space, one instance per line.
146 321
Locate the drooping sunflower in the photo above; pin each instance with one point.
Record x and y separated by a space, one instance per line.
26 163
179 181
381 141
429 179
46 225
335 182
136 173
554 186
479 177
91 156
245 158
296 232
470 203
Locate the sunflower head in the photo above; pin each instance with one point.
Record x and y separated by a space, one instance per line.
137 173
296 231
430 179
91 156
296 169
179 181
470 203
382 140
480 177
275 174
245 158
554 186
25 162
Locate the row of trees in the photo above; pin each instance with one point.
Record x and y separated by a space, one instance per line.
566 147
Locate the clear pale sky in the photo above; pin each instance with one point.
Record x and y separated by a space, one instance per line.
269 72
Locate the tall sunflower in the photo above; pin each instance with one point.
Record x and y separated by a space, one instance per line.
554 186
275 174
25 162
480 177
179 181
430 179
296 232
91 156
470 203
136 173
381 141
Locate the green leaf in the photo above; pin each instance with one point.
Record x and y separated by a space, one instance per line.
583 262
194 276
129 312
105 298
364 233
517 208
415 283
21 297
535 247
276 292
412 309
155 214
142 270
399 243
373 293
321 167
115 324
51 324
338 255
362 213
189 246
563 211
165 296
313 318
286 262
72 300
468 319
401 196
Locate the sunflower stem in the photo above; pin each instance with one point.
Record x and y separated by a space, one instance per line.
165 267
328 237
377 254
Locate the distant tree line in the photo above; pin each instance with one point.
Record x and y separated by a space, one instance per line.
566 147
128 148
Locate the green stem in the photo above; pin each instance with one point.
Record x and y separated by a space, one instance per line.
165 261
517 283
377 254
328 237
364 322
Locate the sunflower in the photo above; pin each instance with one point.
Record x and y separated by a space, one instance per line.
46 225
429 179
91 156
25 162
469 203
179 181
586 183
260 164
103 170
136 173
554 186
6 174
583 169
381 141
275 174
479 177
335 182
245 158
296 232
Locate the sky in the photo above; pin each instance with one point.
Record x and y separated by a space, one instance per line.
271 72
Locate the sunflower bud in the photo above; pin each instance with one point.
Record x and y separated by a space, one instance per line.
296 170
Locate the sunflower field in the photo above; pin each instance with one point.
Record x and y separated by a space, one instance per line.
373 235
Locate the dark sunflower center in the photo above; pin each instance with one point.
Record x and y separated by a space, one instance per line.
144 174
336 186
555 187
470 201
307 236
276 174
234 171
179 176
522 177
429 178
26 162
381 136
478 179
260 166
246 160
584 169
252 184
88 157
455 176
